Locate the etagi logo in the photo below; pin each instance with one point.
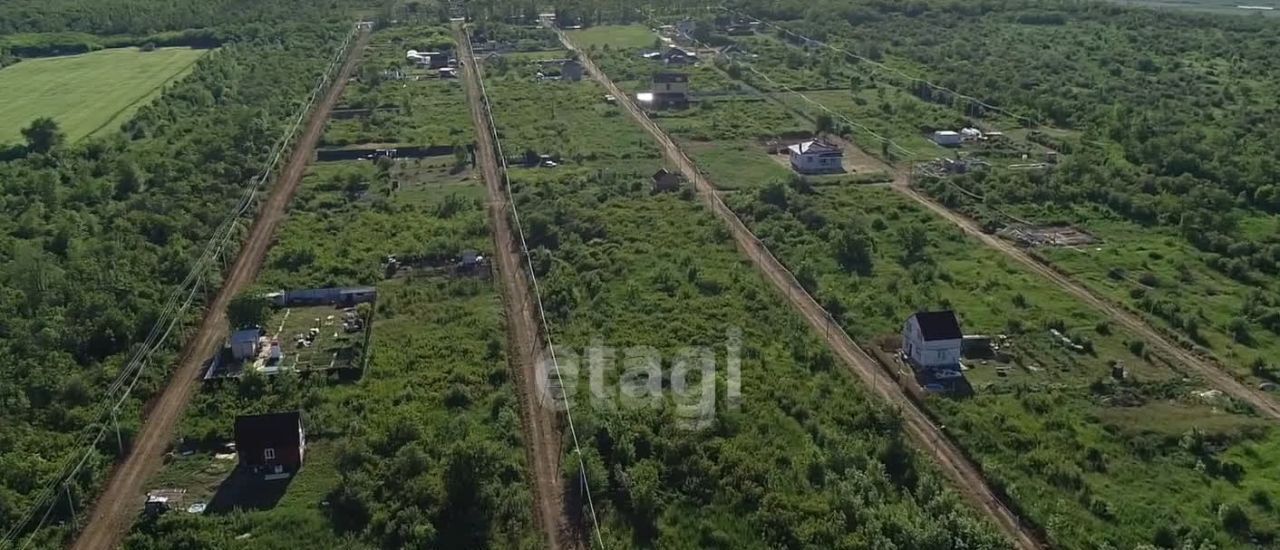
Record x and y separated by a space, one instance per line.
637 377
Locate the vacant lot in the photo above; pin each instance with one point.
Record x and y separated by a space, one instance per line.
615 36
86 93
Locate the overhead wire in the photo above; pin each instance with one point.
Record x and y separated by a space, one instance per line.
168 317
886 68
537 293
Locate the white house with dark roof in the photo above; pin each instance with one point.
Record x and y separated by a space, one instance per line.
932 340
816 157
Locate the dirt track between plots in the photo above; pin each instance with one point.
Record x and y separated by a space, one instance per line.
525 348
121 501
1212 373
927 436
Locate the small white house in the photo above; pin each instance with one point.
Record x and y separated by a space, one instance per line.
932 339
816 157
946 138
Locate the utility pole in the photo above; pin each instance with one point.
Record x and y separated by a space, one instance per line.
66 487
119 440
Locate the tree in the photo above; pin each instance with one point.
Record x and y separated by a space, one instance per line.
853 248
914 240
774 193
43 135
824 124
248 309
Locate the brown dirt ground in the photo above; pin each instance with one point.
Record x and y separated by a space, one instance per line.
119 503
928 437
542 438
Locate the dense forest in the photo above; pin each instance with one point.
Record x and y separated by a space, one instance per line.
95 235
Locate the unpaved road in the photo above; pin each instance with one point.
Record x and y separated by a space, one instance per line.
968 478
120 502
1213 374
525 348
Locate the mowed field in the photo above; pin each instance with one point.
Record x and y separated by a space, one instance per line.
614 36
86 93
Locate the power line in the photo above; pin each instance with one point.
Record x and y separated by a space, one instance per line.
845 119
168 318
887 68
537 292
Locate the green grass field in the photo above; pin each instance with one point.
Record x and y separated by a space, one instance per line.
86 93
615 36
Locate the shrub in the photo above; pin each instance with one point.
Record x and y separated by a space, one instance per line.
1234 519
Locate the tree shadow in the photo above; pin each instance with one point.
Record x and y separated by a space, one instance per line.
246 490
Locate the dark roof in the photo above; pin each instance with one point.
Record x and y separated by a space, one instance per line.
938 325
664 174
670 77
268 427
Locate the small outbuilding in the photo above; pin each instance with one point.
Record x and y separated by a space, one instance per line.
676 55
946 138
273 444
816 157
246 343
665 180
571 70
932 340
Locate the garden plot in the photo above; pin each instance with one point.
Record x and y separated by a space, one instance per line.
318 338
624 266
1064 388
436 396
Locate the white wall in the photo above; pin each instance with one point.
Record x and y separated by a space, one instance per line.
936 353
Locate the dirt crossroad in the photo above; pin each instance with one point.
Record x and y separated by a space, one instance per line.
525 348
948 457
119 503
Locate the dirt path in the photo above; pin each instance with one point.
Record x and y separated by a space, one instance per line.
948 457
542 439
120 502
1215 375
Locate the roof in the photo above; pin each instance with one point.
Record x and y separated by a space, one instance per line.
938 325
945 133
670 77
664 175
813 146
359 290
247 335
259 427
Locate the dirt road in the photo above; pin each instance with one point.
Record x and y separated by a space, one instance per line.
542 439
1212 373
121 501
949 459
